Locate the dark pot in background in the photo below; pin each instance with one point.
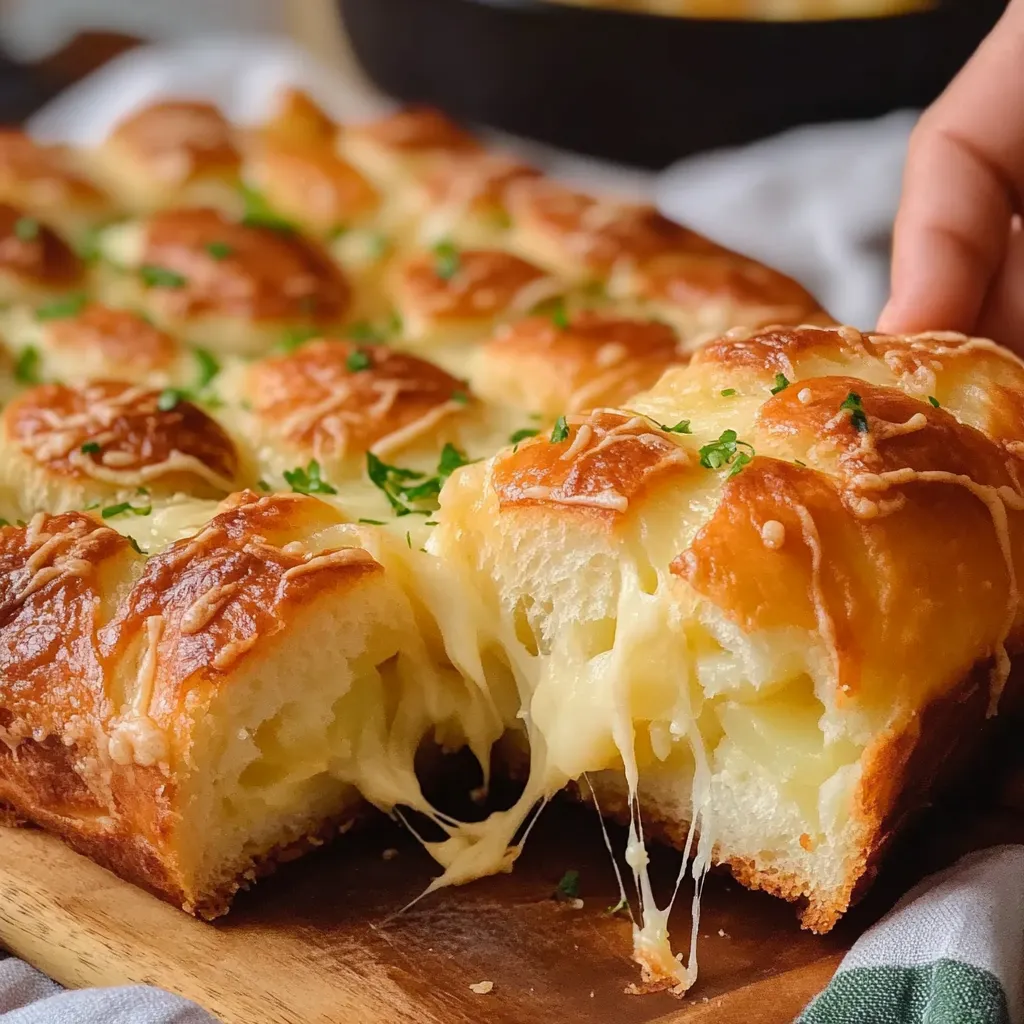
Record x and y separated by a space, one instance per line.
645 89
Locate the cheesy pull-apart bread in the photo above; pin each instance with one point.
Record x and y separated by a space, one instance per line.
189 719
763 601
341 442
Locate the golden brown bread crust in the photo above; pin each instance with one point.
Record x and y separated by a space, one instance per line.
590 359
177 141
258 273
114 433
108 658
42 180
118 342
475 181
309 184
472 285
34 254
297 118
416 130
605 460
332 399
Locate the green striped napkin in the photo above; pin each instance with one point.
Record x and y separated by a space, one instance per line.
950 952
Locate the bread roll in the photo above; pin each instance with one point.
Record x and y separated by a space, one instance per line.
35 262
768 598
171 153
228 286
109 442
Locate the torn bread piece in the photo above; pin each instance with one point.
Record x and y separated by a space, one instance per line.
761 636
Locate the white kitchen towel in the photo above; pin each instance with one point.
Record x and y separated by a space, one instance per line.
950 952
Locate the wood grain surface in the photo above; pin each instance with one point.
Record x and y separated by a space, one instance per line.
322 941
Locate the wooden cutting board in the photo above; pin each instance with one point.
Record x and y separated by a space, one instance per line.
320 942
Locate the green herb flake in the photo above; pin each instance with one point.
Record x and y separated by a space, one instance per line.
682 427
26 367
729 451
209 367
169 398
446 260
4 522
357 361
125 506
622 907
135 544
522 435
781 383
858 417
90 246
371 522
90 448
728 392
308 480
263 485
560 431
797 462
364 331
61 309
161 277
568 887
460 397
260 214
408 539
406 488
219 250
26 229
295 337
934 401
560 316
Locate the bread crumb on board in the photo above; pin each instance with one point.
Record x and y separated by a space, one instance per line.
482 988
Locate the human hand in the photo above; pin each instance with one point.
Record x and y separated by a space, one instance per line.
958 249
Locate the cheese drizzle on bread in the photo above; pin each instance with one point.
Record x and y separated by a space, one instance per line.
488 464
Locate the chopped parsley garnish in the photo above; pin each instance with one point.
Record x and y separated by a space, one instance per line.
363 330
934 401
26 229
161 277
308 480
560 431
621 907
858 417
5 522
219 250
682 427
26 367
89 248
446 260
209 366
408 538
405 488
296 336
90 448
522 435
728 392
430 522
371 522
260 214
728 450
135 544
358 360
568 887
781 383
797 462
560 317
460 396
126 506
263 485
169 398
60 309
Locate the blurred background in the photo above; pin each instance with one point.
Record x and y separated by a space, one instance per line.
776 126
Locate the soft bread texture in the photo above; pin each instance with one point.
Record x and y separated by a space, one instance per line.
747 589
785 595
